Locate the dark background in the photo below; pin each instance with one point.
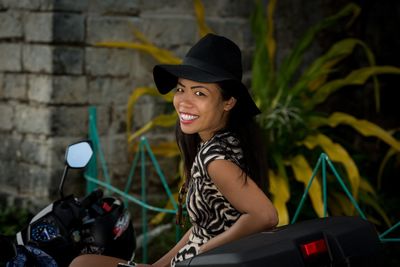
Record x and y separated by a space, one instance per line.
378 26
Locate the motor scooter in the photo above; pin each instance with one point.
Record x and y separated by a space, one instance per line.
69 226
331 241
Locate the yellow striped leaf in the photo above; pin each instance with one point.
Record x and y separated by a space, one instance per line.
200 17
279 188
356 77
166 149
138 92
133 98
315 76
364 127
159 217
163 56
367 187
302 172
163 120
336 153
140 36
339 50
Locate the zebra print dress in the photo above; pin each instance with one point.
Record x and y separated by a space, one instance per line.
209 211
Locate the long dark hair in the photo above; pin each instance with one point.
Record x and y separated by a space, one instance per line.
245 128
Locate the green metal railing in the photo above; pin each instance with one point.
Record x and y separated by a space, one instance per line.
322 163
391 229
323 160
93 182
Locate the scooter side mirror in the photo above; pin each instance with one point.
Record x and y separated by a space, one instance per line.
78 155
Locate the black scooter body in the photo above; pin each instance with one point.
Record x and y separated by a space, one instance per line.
343 241
70 226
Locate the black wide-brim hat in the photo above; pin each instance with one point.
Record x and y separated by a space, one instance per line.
213 59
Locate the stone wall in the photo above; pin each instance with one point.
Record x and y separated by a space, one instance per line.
51 72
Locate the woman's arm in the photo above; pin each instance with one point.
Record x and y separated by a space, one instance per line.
165 260
258 213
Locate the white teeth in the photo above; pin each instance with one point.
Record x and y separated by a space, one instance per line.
187 117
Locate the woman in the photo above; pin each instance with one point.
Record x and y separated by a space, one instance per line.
221 148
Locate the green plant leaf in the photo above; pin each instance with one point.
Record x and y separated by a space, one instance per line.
317 72
291 64
262 66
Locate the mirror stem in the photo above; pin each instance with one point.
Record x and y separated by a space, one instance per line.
61 187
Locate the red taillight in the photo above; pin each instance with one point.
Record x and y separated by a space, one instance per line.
314 248
106 207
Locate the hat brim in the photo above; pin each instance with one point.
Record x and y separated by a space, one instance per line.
166 79
166 76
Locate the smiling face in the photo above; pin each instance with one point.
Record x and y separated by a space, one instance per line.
201 107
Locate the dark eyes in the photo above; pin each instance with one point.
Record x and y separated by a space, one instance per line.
197 93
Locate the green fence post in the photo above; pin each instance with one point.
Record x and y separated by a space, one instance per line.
91 169
346 190
324 186
381 236
93 181
305 193
144 199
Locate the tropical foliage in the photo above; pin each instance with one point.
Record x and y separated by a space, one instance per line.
13 219
288 98
289 110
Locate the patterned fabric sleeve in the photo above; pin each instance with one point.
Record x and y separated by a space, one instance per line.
224 147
